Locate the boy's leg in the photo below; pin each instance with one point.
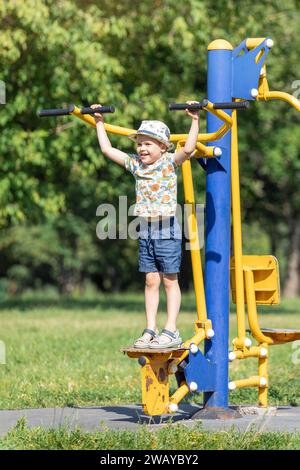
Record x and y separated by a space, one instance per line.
152 283
173 294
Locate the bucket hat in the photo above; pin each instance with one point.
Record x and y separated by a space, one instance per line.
158 130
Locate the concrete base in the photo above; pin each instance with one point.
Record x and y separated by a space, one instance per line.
130 417
217 413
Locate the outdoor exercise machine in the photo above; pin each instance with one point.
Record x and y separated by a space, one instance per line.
235 77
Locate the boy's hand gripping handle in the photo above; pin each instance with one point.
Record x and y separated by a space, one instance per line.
204 102
100 110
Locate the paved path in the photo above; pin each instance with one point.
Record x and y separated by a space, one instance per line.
131 417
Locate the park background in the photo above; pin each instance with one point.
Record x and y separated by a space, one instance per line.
64 294
138 56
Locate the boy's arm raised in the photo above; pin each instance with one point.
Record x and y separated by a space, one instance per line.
112 153
190 144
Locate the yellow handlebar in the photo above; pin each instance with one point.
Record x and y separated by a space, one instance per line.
280 95
203 150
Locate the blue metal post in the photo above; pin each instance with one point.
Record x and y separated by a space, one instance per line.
217 246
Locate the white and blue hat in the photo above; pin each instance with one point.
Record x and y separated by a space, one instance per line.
158 130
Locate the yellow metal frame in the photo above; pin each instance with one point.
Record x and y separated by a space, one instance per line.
206 137
254 280
243 289
157 367
246 281
264 94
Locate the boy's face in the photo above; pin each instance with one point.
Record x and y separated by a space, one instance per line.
148 149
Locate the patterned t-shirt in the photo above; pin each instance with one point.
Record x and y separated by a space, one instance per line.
155 185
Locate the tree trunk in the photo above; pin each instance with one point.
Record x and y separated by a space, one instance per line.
292 283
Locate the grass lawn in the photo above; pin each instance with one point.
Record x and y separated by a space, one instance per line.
66 352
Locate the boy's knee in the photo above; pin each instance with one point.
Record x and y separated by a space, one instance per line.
152 280
170 280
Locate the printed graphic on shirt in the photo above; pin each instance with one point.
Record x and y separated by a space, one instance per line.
155 185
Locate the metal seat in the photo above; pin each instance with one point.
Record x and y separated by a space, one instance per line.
261 277
281 335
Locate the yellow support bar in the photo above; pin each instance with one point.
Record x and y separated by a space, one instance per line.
280 95
203 151
251 382
254 351
237 235
251 43
212 136
219 113
155 385
108 127
180 393
252 310
263 372
199 336
194 240
88 119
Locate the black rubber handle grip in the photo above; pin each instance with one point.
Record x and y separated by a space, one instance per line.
183 106
100 109
233 105
194 107
56 112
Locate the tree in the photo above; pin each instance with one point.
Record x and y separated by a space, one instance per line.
55 53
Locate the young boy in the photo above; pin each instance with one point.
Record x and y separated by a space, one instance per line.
154 169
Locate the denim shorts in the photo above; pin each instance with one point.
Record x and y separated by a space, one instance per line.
160 246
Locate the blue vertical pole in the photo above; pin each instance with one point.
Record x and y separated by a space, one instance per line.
217 246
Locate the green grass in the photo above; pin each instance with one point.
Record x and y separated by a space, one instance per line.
175 437
64 352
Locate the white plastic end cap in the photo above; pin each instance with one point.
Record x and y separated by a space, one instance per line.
263 352
173 369
173 407
247 342
193 386
210 333
231 356
217 151
262 381
269 43
254 92
194 348
231 386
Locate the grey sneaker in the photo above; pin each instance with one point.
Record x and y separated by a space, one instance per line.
167 339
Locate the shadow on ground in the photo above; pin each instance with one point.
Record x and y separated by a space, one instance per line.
135 414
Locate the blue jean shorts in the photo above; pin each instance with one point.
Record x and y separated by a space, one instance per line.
160 246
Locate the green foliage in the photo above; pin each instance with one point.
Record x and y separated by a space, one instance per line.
52 169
